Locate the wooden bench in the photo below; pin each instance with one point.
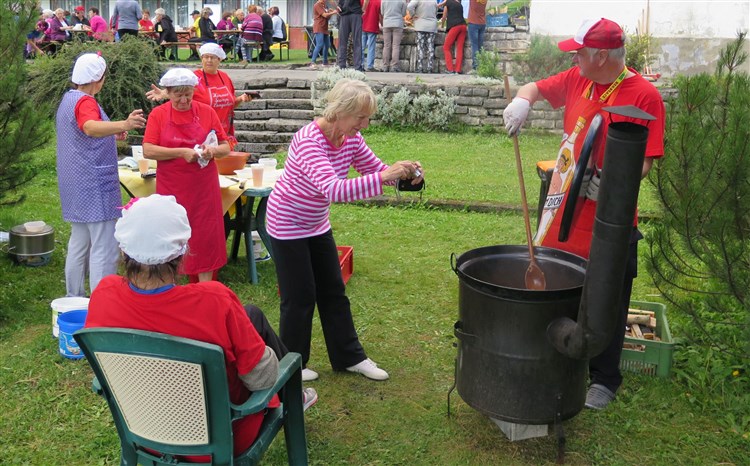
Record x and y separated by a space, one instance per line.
176 45
282 45
254 45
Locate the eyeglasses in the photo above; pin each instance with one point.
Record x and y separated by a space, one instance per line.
209 57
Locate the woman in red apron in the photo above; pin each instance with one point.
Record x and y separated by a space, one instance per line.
175 136
215 88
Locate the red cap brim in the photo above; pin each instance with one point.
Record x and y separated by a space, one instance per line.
569 45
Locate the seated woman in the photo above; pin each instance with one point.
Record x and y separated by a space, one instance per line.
153 234
252 33
205 32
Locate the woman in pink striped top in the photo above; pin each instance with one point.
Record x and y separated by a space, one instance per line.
307 264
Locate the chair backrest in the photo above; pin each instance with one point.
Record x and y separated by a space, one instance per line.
166 393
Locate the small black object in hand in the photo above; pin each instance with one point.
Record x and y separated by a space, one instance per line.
405 185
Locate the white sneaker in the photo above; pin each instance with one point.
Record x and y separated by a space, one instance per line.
369 369
309 375
309 397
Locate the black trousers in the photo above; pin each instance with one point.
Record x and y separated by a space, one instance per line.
308 272
604 369
350 25
265 330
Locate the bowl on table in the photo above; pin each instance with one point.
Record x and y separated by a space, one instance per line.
231 163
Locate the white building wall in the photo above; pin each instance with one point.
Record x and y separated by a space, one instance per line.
688 34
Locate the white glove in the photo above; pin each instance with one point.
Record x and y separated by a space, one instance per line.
592 187
515 115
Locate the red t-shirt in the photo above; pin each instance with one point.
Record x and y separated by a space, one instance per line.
564 88
206 311
371 17
217 91
87 109
161 115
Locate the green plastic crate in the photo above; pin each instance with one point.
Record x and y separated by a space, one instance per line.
657 358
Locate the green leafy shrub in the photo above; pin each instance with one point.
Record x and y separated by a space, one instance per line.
699 255
25 126
638 51
132 66
487 64
428 110
541 60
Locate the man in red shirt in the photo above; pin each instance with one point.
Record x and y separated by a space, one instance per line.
599 79
370 27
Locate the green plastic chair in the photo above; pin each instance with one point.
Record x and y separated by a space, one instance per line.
170 395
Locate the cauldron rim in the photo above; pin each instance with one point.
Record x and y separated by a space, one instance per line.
573 262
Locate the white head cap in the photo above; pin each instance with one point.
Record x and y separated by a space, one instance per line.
212 49
178 77
89 68
153 230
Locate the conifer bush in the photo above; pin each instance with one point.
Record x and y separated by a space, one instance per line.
132 67
25 126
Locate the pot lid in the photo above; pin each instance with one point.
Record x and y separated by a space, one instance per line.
21 230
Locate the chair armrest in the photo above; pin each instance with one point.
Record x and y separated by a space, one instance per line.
289 365
96 387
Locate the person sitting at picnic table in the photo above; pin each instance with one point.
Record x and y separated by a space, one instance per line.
237 19
304 250
215 88
148 298
164 27
79 17
59 30
99 28
252 32
226 41
176 135
87 175
265 53
204 32
279 26
145 25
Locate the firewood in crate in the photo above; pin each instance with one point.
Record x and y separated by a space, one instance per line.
636 330
641 312
640 319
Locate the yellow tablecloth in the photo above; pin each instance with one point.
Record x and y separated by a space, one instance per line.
143 187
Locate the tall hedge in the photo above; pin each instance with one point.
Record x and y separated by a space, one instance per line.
132 66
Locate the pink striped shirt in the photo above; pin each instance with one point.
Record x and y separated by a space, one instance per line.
315 175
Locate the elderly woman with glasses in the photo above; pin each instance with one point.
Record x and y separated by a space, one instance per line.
176 135
304 250
215 88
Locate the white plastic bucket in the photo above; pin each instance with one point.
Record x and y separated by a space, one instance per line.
62 305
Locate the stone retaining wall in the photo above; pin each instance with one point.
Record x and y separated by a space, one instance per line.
476 104
505 40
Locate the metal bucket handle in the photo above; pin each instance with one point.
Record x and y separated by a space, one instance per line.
454 267
467 338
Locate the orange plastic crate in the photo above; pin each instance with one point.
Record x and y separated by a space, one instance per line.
346 260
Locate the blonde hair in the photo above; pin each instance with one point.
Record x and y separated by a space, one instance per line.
348 97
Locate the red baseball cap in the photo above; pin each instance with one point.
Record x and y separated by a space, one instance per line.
595 34
80 8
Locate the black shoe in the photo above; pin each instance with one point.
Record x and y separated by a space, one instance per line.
447 71
194 58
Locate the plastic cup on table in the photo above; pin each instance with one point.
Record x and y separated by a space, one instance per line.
143 166
257 174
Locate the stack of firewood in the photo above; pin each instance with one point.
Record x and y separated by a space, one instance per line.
641 325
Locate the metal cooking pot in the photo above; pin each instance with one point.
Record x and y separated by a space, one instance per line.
25 246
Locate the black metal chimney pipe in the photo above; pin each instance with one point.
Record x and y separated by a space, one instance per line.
613 225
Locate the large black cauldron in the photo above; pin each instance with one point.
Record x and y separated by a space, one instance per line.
507 369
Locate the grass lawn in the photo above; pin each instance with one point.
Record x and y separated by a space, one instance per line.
404 300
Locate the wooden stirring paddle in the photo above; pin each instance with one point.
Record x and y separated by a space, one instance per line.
534 278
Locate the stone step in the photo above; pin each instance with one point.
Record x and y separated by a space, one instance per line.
258 149
263 136
269 94
266 114
295 104
272 124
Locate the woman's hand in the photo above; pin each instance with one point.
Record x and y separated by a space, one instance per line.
209 152
403 170
135 120
190 155
156 94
